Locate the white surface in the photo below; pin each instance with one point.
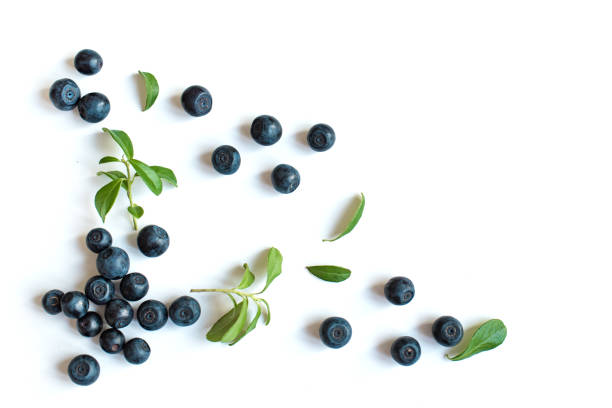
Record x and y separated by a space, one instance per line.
479 132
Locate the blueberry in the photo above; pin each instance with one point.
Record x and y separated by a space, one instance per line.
90 325
196 100
266 130
136 351
64 94
321 137
93 107
113 263
335 332
226 159
99 290
51 301
134 286
74 304
285 178
447 331
399 290
112 340
152 315
88 62
406 350
98 239
184 311
118 313
153 241
83 370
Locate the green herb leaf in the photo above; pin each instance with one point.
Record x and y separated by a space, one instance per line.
123 141
136 210
108 159
275 260
330 273
250 327
152 88
228 327
267 320
353 222
165 174
247 278
489 335
105 198
148 175
115 175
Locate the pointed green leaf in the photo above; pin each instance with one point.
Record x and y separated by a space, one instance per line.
491 334
165 174
115 175
152 88
123 140
108 159
329 273
352 223
250 327
247 278
136 211
105 198
267 319
148 175
275 260
236 328
222 325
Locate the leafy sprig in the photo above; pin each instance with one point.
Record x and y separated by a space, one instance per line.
234 325
152 177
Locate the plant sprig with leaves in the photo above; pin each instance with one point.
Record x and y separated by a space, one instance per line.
234 325
152 176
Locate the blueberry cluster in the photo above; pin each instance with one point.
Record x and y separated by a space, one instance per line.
113 263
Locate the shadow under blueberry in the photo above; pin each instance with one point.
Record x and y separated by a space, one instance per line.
177 108
62 366
245 130
70 63
347 215
377 291
383 350
206 160
265 178
311 332
302 139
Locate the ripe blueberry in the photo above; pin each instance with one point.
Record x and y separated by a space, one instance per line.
321 137
335 332
94 107
134 286
113 263
88 62
285 178
153 241
98 239
196 100
226 159
99 290
447 331
112 340
152 315
406 350
83 370
118 313
64 94
51 301
136 351
399 290
184 311
266 130
90 324
74 304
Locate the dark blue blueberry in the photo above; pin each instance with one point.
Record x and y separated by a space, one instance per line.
112 340
406 350
152 315
184 311
113 263
321 137
74 304
83 370
99 290
285 178
98 239
52 301
64 94
335 332
196 100
447 331
226 159
94 107
118 313
399 290
136 351
88 62
266 130
153 241
134 286
90 324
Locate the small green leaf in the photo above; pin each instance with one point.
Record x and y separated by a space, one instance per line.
108 159
250 327
237 326
222 325
165 174
123 140
136 211
152 88
115 175
105 198
489 335
329 273
353 222
275 260
148 175
247 278
267 319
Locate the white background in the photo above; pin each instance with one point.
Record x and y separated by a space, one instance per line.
478 130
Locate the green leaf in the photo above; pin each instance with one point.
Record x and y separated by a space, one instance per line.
267 319
152 88
123 140
329 273
250 327
228 327
489 335
148 175
352 223
165 174
108 159
136 211
115 175
105 198
247 278
275 260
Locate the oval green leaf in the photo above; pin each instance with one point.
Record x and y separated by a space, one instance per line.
330 273
353 222
108 159
105 198
165 174
136 210
115 175
123 140
250 327
275 260
152 88
247 278
148 175
489 335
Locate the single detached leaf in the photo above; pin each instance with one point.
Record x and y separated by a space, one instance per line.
247 278
352 223
267 319
115 175
136 211
275 260
330 273
108 159
123 140
148 175
250 327
106 196
152 88
491 334
165 174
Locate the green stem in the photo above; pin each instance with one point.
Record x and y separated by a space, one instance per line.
129 182
232 291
